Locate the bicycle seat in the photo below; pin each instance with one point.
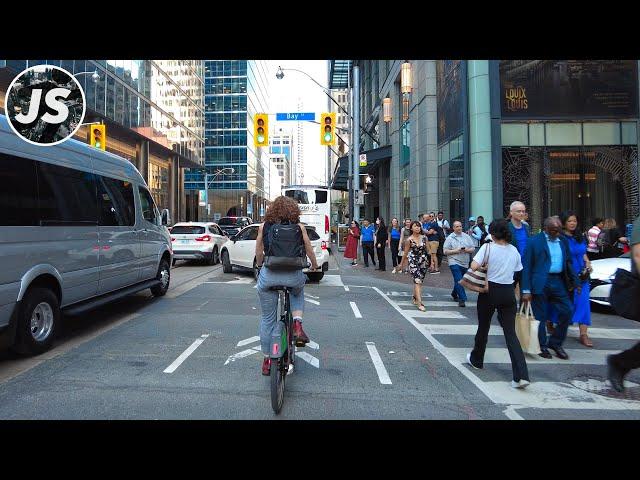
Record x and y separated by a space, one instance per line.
280 288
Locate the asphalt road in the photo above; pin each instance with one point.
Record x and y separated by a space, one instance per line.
193 355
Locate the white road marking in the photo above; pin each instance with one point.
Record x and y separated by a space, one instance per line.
429 303
242 354
511 413
308 358
406 294
355 309
178 361
435 314
311 296
331 281
614 333
377 362
311 301
237 281
346 289
313 345
247 341
496 330
501 355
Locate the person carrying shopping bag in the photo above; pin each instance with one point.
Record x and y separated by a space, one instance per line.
503 261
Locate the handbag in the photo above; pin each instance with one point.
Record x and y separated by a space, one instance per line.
477 280
527 329
624 296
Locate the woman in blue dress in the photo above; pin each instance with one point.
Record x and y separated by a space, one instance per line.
580 261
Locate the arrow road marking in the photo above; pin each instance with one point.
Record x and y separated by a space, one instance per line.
308 358
178 361
377 362
313 345
247 341
355 309
242 354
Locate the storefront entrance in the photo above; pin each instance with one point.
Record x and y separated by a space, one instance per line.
593 181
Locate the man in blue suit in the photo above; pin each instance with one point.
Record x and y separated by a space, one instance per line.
549 277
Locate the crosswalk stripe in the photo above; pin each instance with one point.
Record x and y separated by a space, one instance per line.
429 303
602 333
435 314
501 355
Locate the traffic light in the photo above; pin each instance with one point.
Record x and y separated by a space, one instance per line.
328 129
261 130
98 136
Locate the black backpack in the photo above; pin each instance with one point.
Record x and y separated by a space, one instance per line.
285 247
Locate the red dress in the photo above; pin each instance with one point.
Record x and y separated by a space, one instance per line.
351 251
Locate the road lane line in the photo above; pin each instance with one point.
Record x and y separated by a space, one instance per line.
242 354
355 309
311 301
311 296
308 358
377 362
313 345
247 341
346 289
178 361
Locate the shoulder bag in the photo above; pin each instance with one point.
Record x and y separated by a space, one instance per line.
477 280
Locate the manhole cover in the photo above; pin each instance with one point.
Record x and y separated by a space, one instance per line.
600 386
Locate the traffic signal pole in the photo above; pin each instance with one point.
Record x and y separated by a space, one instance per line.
355 147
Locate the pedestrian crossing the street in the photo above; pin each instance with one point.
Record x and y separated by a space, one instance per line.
555 382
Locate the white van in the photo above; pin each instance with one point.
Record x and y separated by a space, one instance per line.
78 228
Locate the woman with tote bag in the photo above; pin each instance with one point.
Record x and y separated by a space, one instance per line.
502 262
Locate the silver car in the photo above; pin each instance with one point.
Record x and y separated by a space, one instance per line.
78 228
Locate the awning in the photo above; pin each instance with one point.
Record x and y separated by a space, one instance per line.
374 158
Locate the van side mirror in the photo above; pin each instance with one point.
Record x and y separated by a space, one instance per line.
166 217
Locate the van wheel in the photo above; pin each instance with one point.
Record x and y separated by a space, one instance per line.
164 275
226 264
38 320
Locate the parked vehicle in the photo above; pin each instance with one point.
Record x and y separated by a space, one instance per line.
315 207
197 241
604 271
78 228
232 225
240 251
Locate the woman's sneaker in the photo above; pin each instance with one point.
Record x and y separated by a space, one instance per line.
520 383
299 335
266 366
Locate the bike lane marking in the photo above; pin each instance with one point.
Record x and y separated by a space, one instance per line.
178 361
377 363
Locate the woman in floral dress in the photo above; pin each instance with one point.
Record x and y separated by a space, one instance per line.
415 253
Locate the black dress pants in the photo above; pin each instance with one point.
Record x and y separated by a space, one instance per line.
367 249
502 298
382 263
394 252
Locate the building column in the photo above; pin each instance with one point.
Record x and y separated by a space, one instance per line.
480 140
173 180
142 159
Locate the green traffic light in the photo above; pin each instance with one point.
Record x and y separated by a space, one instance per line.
327 137
260 139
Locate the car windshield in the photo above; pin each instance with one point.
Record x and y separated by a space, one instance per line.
187 229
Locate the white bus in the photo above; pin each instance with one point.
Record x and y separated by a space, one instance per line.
315 207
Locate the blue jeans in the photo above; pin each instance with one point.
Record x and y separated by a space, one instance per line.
458 290
555 292
269 299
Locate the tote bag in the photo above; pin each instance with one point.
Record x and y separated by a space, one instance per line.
624 296
527 329
477 281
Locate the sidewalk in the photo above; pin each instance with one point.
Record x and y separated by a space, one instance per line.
444 279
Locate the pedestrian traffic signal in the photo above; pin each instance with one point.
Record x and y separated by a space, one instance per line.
261 130
328 129
98 136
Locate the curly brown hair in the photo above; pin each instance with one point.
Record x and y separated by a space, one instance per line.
283 209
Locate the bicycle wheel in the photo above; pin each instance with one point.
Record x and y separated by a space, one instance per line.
278 376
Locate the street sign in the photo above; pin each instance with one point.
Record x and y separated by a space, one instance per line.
295 116
359 197
363 159
202 198
217 216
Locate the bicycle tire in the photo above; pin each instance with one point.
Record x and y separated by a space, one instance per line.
278 377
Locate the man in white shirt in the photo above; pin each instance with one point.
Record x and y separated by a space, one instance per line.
457 247
593 249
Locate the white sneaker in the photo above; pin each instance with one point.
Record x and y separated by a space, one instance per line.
520 384
393 271
469 361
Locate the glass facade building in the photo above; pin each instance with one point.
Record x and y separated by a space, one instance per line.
154 114
235 90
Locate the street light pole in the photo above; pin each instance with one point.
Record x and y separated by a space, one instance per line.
207 183
355 147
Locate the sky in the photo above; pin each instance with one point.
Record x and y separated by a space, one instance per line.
284 99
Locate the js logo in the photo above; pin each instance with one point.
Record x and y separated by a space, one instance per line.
45 105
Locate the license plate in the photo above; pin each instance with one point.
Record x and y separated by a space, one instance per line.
184 241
